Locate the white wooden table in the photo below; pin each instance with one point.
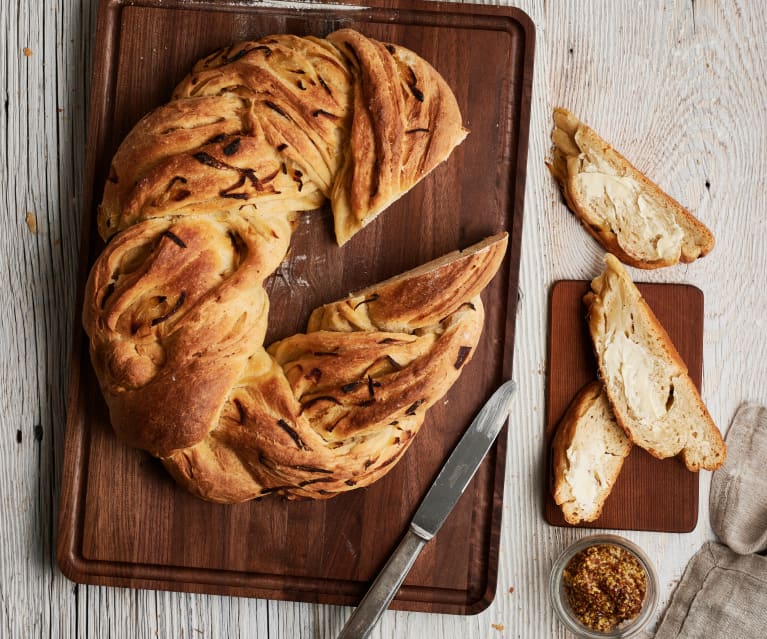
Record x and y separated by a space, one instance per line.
679 87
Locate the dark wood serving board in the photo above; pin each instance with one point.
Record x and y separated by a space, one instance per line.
123 521
650 493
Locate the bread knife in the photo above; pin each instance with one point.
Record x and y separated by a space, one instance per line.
433 510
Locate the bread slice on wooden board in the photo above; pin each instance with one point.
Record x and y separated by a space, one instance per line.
653 397
627 213
588 452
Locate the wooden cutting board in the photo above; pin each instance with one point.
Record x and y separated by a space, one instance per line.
650 493
123 521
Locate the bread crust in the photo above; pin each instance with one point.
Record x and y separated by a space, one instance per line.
354 394
570 138
199 209
588 414
346 118
684 426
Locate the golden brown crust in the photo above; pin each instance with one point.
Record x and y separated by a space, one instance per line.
589 413
681 424
349 118
571 137
332 410
401 129
199 207
395 304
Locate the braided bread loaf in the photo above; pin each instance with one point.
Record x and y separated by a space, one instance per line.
198 209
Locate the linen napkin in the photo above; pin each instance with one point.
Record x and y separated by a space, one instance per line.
738 500
722 595
723 591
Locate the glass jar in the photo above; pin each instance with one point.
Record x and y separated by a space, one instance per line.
559 597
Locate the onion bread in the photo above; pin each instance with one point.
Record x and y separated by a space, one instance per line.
646 381
334 409
628 214
199 208
589 448
283 124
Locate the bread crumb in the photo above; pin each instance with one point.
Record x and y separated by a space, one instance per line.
498 626
31 222
511 590
27 51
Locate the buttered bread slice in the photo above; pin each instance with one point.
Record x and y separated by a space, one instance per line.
588 453
651 394
627 213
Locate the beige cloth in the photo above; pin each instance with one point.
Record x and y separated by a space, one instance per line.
722 595
738 501
723 591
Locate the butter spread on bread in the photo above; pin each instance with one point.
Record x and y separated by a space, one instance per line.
646 381
589 448
199 208
627 213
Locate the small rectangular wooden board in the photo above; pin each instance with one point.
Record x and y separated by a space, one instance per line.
650 493
123 521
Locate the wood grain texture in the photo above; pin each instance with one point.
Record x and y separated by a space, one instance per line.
676 86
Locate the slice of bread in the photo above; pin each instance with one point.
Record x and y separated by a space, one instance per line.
628 214
588 452
653 397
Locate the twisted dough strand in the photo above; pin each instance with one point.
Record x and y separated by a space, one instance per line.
199 205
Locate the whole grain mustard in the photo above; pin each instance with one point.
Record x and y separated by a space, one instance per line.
605 586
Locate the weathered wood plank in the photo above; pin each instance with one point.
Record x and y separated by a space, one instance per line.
677 86
45 66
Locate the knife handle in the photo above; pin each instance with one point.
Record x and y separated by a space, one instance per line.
384 587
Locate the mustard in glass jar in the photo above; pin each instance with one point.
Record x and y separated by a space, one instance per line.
604 586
